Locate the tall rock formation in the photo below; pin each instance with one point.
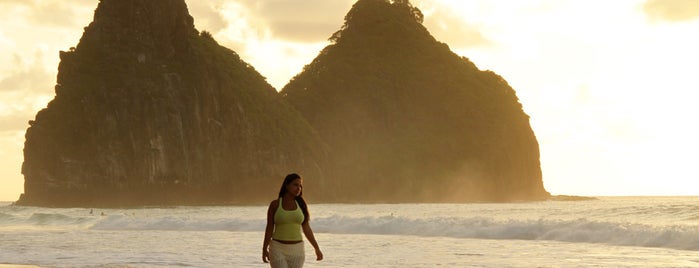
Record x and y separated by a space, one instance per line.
406 119
150 111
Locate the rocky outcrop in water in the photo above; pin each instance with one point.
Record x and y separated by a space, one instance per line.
406 119
150 111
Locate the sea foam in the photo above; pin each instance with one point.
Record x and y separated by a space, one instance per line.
614 222
577 231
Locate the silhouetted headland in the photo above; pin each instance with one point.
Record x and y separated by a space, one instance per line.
408 119
150 111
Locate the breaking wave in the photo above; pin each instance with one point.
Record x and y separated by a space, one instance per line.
577 231
609 228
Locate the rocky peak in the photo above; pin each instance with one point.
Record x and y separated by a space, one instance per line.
150 112
162 25
369 18
409 120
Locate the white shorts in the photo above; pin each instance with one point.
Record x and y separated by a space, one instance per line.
286 255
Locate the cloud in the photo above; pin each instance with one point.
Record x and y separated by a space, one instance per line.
58 14
15 114
447 23
48 13
24 90
448 27
671 10
12 3
14 123
30 78
207 16
307 21
279 37
5 41
303 31
313 21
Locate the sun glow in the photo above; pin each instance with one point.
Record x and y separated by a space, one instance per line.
609 85
609 96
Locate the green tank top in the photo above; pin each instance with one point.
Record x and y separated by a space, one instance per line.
287 223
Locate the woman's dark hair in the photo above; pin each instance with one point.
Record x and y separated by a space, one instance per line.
299 199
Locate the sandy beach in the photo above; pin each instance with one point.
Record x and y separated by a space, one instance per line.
5 265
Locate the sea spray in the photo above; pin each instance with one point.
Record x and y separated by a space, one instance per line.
576 231
660 223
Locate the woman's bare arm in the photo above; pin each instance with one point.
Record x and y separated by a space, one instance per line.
269 229
311 238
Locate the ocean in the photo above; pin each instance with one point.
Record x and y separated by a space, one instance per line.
607 232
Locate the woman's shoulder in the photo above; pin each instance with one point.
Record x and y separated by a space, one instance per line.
274 203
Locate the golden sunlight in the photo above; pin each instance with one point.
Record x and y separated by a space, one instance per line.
608 85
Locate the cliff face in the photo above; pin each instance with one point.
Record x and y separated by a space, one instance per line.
406 119
149 111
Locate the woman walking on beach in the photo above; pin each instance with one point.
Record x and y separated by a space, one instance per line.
286 217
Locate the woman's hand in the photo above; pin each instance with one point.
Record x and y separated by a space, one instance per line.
265 256
319 254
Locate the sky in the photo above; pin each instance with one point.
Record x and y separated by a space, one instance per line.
610 85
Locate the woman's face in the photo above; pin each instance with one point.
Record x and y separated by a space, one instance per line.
295 187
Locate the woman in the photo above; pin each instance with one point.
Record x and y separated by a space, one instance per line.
286 217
